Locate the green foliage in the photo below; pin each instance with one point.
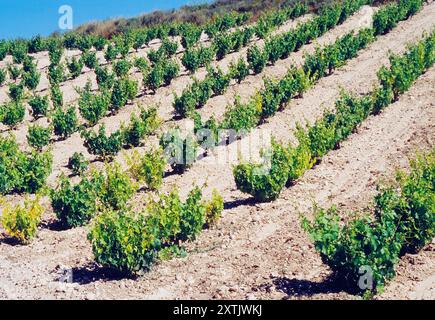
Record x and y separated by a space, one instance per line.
265 181
75 67
123 91
56 74
93 107
37 44
242 116
38 136
416 203
129 241
213 209
180 151
190 34
89 59
31 79
55 53
16 92
65 122
18 49
142 64
2 76
239 70
102 145
56 95
111 53
403 222
116 187
194 58
140 126
119 241
12 113
122 67
362 243
257 59
77 163
105 78
14 71
22 171
148 169
218 80
387 17
405 69
21 222
194 96
270 98
75 205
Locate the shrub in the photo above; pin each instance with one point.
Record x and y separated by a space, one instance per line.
100 43
102 145
122 67
12 113
4 49
37 44
75 205
265 181
190 35
14 72
16 92
21 222
123 90
242 116
119 241
142 64
141 126
38 136
181 152
65 123
105 78
116 188
193 216
239 70
154 79
271 98
213 209
194 96
77 163
257 59
360 244
218 80
148 169
75 67
171 71
2 76
85 42
56 74
31 79
34 170
90 59
111 53
18 50
55 53
56 95
223 44
21 171
416 207
93 107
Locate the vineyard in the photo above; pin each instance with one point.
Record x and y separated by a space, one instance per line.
282 155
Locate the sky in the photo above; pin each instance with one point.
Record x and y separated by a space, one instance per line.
26 18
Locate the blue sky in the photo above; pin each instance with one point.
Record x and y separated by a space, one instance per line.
26 18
